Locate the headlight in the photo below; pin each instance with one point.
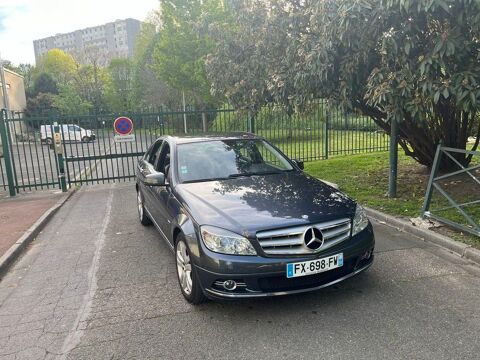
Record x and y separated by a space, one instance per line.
360 221
226 242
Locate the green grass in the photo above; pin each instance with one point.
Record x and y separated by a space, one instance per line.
365 178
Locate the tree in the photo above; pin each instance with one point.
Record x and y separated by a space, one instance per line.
26 70
147 90
40 105
237 67
58 64
413 61
179 55
44 83
91 78
69 102
119 88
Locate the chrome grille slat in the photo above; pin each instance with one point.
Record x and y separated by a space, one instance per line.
290 241
277 242
337 231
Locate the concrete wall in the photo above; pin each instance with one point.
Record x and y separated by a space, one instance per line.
17 100
15 91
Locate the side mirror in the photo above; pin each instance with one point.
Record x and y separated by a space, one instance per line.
299 164
155 179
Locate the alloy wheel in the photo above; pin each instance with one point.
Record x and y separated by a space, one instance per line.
140 205
184 268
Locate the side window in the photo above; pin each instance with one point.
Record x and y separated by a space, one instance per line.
163 163
152 154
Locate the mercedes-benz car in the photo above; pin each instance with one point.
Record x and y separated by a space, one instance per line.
245 221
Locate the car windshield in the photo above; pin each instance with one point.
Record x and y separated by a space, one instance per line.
224 159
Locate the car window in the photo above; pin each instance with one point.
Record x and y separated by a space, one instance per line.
163 163
72 128
223 159
153 153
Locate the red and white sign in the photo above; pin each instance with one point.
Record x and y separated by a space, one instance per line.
123 126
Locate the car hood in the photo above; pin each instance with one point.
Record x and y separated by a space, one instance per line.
249 204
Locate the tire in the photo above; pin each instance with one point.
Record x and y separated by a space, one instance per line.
86 139
186 275
49 141
142 214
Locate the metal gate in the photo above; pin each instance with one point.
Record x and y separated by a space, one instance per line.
90 154
457 201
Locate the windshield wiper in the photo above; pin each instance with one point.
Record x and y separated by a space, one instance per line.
254 174
204 180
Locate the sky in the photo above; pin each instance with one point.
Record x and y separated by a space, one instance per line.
22 21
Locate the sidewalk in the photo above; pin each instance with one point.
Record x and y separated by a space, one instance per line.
18 214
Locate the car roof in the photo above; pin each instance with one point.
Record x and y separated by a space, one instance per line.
185 139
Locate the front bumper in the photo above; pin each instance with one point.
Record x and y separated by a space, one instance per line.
265 276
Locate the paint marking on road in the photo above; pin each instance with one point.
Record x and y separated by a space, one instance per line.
75 334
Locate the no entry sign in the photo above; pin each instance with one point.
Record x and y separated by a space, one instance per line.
123 125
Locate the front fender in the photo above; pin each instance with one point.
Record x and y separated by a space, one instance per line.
185 225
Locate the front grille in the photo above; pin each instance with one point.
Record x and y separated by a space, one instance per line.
290 241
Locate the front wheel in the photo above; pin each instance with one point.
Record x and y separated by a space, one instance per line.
85 139
143 217
187 278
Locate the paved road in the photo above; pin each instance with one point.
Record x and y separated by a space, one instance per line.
97 285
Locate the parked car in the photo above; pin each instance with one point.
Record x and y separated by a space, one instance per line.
245 221
68 133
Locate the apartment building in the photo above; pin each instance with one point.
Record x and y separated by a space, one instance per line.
115 40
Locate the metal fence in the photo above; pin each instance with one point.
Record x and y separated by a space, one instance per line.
314 133
453 198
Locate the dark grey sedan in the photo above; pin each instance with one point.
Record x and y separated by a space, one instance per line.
245 221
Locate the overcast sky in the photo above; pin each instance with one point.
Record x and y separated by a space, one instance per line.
22 21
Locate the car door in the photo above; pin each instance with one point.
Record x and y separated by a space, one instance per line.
161 194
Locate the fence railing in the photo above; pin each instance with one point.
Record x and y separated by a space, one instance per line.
314 133
453 198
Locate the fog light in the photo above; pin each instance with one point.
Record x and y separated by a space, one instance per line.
229 285
367 255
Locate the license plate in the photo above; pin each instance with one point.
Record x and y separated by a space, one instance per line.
311 267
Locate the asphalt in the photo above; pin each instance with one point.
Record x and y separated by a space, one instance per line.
95 284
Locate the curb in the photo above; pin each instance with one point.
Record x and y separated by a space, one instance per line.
463 250
12 254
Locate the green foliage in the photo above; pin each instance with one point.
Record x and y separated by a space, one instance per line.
40 105
119 86
69 102
413 61
44 83
58 64
180 52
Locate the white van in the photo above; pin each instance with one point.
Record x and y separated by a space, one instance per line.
69 133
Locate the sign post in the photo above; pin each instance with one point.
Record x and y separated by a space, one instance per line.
123 127
57 144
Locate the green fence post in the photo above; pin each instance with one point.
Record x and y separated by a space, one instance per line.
392 179
6 153
325 132
59 151
251 122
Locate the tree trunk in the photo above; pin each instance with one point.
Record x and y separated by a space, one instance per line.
420 140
